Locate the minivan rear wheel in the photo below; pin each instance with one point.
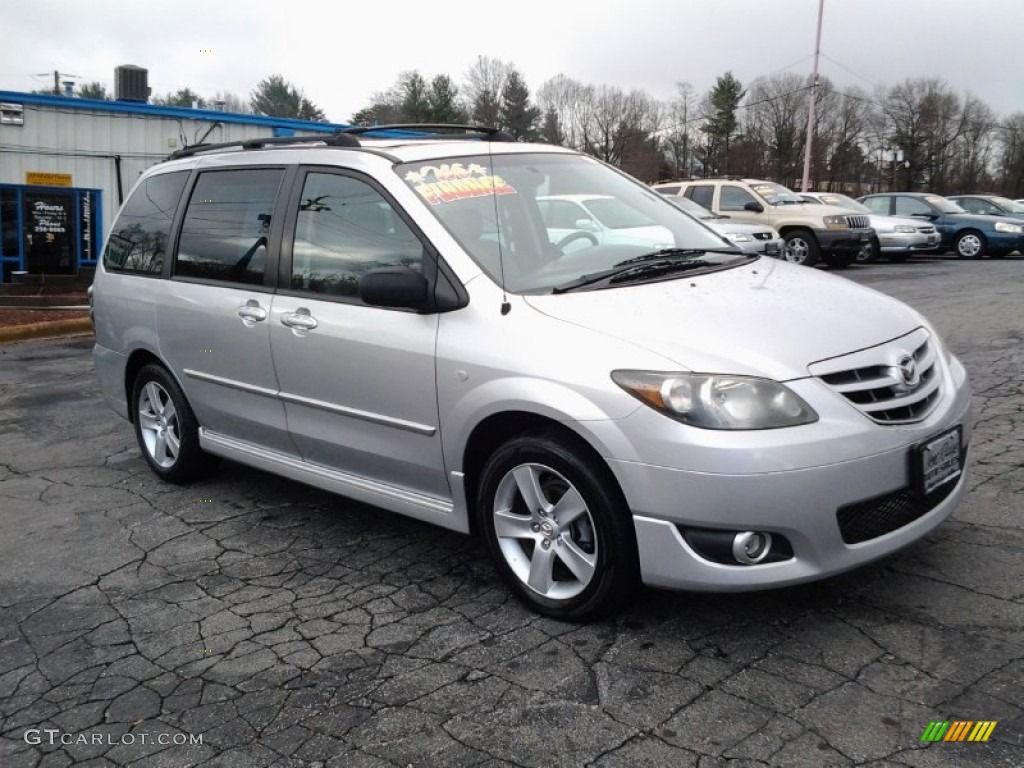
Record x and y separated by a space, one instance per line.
557 527
166 428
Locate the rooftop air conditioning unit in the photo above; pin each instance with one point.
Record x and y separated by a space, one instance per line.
131 83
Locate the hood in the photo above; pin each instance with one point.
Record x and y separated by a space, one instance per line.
981 219
767 318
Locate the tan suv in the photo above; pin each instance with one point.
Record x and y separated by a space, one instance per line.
812 233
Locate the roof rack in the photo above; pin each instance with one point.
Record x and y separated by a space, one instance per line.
347 137
414 130
335 139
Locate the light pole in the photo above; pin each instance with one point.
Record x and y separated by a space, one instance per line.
810 111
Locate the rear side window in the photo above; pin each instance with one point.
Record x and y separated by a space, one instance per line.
226 226
138 241
670 190
702 194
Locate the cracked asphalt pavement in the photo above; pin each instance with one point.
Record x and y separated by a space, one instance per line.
249 621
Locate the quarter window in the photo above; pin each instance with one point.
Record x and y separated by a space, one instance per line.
227 222
139 238
344 229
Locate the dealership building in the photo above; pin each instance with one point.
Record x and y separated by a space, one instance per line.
67 163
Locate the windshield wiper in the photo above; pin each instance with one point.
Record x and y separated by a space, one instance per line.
643 267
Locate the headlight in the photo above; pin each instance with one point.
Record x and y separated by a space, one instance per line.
718 401
738 237
905 229
836 222
1005 226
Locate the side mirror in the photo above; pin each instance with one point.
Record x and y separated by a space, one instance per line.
399 287
754 206
588 225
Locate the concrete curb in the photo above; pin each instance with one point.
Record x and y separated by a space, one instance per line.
70 327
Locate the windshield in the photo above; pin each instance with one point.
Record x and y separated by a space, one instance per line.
842 201
943 205
534 222
776 194
1007 204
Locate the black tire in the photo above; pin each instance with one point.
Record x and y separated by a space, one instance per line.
898 258
870 252
970 244
583 568
166 428
800 246
839 260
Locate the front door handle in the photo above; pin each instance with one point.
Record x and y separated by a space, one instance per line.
252 312
300 320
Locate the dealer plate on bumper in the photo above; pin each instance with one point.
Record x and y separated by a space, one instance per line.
937 461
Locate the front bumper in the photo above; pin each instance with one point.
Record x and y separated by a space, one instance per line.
788 491
900 242
843 241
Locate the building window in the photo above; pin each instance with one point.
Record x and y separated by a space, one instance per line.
11 113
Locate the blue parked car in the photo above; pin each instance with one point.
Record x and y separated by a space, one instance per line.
970 235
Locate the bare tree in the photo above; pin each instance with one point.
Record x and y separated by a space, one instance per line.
973 150
1011 160
680 129
482 88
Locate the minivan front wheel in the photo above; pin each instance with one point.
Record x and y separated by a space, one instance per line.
801 247
557 528
166 428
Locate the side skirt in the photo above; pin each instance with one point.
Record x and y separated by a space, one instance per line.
430 509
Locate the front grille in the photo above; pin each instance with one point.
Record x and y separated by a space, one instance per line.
926 230
866 520
880 389
858 222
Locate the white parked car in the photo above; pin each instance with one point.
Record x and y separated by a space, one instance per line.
390 319
897 238
750 238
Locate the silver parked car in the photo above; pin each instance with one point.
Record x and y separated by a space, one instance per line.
392 320
896 237
750 238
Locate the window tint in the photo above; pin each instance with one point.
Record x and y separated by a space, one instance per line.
734 198
908 206
224 234
139 238
701 193
345 229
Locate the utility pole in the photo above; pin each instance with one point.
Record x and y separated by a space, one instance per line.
810 111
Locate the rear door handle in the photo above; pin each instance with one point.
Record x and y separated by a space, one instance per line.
252 312
300 320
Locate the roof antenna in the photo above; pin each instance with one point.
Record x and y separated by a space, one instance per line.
506 307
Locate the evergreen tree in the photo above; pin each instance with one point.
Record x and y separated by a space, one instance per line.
277 97
183 97
721 122
516 114
443 101
93 91
551 129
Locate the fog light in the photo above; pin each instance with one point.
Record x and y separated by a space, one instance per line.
751 547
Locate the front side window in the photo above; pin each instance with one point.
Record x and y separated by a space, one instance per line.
344 229
226 226
511 213
735 198
138 241
911 206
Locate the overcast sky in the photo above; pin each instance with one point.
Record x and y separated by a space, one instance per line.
341 53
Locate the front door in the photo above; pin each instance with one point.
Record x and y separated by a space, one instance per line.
49 233
357 381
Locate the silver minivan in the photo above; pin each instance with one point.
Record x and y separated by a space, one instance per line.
392 320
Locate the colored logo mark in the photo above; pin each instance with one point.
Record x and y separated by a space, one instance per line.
958 730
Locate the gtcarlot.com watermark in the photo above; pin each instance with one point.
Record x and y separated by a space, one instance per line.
55 736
